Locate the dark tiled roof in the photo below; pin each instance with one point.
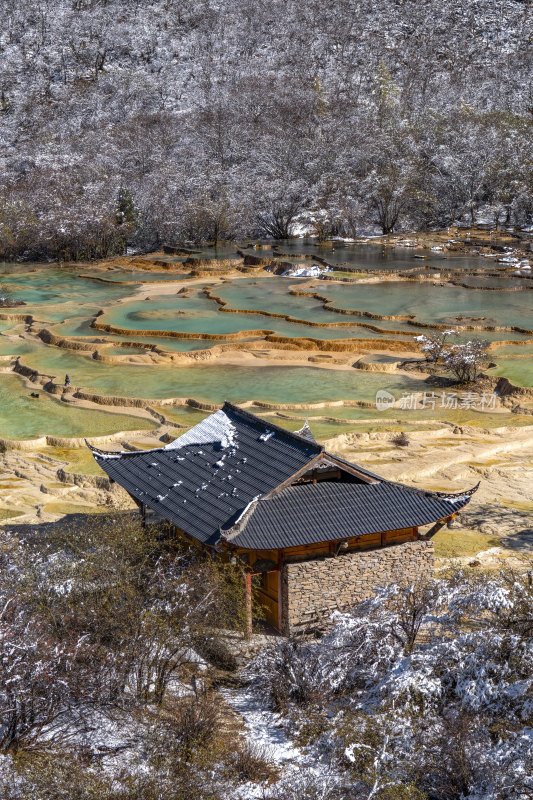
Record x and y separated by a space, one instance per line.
206 477
326 511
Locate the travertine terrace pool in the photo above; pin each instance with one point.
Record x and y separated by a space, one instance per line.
155 334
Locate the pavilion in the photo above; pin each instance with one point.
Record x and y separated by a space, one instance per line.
318 532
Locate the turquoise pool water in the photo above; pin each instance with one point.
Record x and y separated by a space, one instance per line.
174 314
54 286
15 347
5 325
142 276
518 370
26 417
375 256
292 384
65 303
430 303
217 251
426 302
81 327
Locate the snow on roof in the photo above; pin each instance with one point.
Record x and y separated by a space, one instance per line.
456 499
217 428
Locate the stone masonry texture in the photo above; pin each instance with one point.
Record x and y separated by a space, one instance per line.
312 590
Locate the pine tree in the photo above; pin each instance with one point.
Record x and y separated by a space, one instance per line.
126 211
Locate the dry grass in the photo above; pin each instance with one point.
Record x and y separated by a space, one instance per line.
462 542
9 513
72 508
250 762
353 276
78 459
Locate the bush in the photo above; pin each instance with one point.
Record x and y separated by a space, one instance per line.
401 440
58 775
109 617
290 674
426 691
214 650
308 786
185 731
250 762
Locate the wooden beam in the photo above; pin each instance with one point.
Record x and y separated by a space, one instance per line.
351 469
312 465
289 481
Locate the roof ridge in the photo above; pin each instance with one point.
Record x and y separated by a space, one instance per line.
415 489
357 466
272 425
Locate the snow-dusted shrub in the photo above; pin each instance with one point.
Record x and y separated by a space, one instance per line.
464 361
192 726
140 605
360 648
37 672
307 785
292 673
12 784
251 762
100 618
428 691
58 775
432 346
277 219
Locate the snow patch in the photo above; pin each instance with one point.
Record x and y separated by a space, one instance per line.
246 508
456 499
314 271
263 727
218 428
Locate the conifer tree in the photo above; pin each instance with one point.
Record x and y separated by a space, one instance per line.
126 211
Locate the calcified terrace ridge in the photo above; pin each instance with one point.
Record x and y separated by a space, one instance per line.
208 277
195 329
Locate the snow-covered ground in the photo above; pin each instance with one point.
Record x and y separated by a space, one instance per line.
264 730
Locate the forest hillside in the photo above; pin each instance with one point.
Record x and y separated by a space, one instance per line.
145 122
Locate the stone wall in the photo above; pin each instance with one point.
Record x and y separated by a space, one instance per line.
313 589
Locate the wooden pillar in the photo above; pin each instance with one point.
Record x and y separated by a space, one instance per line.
248 605
280 600
280 590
